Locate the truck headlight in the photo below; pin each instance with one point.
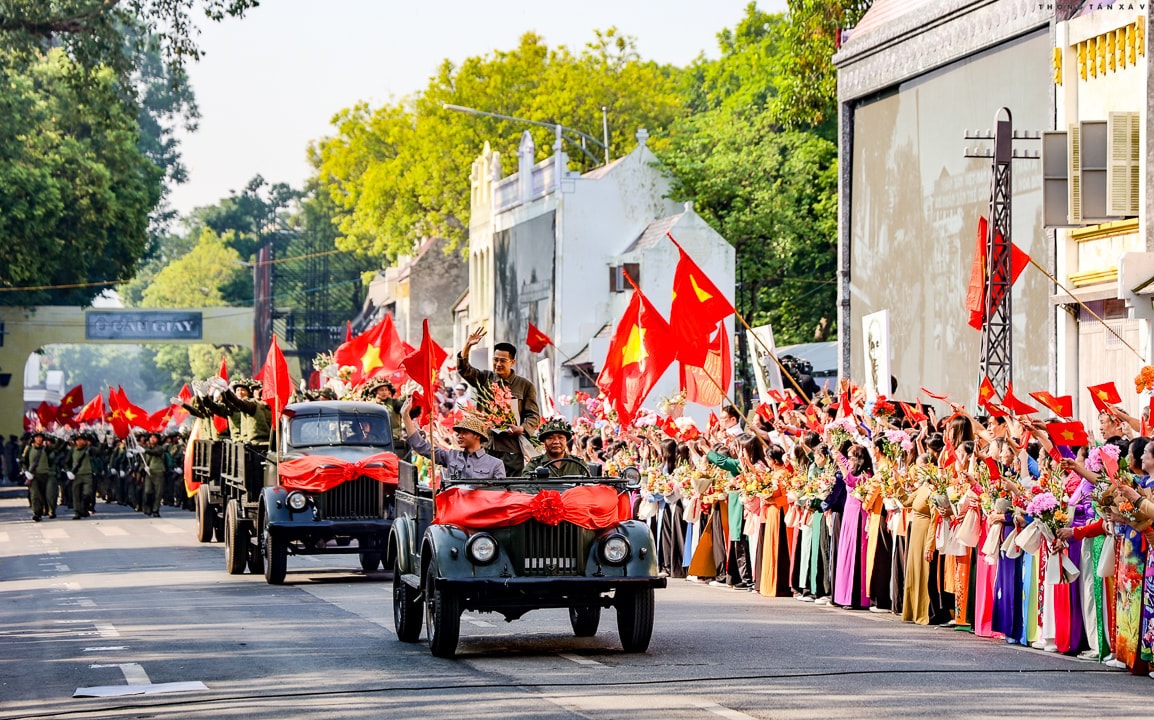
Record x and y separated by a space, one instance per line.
615 550
481 548
297 501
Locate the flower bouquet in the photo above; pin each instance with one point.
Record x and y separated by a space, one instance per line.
1145 379
840 430
672 406
895 444
883 408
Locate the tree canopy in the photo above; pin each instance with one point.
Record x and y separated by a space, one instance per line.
399 172
75 189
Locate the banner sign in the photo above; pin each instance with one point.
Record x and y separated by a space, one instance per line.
143 325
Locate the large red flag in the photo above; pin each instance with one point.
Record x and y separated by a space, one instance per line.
698 305
707 385
93 411
1061 405
377 351
641 350
976 292
275 383
157 421
424 362
537 340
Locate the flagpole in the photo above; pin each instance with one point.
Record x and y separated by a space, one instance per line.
1086 307
769 352
432 445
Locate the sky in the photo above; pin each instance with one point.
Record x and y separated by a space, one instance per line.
271 82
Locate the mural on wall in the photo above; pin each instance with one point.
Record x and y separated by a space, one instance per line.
916 201
523 282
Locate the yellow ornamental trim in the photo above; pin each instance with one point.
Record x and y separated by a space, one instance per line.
1104 230
1093 277
1057 66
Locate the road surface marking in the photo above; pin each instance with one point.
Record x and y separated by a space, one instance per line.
167 528
111 530
106 648
106 630
133 672
55 533
723 711
579 660
481 623
3 537
62 568
65 587
79 602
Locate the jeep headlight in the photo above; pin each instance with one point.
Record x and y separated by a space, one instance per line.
615 550
297 501
481 548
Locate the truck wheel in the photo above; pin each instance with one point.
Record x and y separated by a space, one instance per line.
275 558
370 561
442 616
256 556
205 516
635 618
406 609
235 540
585 619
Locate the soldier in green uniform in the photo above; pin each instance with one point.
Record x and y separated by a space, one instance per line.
255 414
555 435
80 473
37 471
157 464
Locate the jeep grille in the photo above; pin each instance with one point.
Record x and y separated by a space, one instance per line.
363 498
552 549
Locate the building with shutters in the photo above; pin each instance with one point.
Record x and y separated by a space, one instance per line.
914 77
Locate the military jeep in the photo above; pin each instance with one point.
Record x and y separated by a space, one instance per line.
511 561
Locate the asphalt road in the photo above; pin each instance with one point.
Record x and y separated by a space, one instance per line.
121 599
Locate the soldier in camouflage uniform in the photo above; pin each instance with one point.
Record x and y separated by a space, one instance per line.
255 415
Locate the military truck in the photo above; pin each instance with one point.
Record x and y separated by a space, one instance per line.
326 488
513 545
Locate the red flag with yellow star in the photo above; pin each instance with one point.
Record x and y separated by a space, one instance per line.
275 384
1060 405
641 350
1068 434
1104 394
986 392
708 385
376 351
698 306
537 340
1015 405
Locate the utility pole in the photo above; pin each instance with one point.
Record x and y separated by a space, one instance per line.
997 332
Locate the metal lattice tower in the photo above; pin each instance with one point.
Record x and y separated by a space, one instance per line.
997 333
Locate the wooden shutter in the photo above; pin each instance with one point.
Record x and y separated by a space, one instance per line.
1122 164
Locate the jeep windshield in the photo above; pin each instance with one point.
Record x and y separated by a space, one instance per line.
346 428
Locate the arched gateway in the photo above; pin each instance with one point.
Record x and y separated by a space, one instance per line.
25 330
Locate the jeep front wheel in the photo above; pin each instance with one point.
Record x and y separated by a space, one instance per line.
585 619
370 561
406 608
635 618
275 558
442 616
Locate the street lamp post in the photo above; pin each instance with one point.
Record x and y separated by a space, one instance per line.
579 137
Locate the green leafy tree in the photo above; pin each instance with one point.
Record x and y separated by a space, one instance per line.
397 173
76 191
196 279
93 32
769 189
